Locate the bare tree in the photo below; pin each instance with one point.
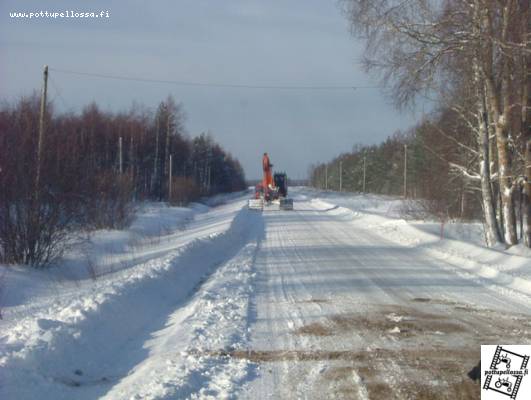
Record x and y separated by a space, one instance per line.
417 45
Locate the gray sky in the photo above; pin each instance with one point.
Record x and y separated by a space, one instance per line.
267 42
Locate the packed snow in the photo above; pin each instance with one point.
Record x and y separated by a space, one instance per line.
345 297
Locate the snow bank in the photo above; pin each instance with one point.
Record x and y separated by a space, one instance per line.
462 245
76 338
101 253
224 198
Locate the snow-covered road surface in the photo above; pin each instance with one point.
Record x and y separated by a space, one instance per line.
341 311
312 303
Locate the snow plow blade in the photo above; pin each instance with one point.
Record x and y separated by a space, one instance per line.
272 205
256 204
286 204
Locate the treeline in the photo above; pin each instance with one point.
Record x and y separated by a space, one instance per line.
474 58
89 168
417 164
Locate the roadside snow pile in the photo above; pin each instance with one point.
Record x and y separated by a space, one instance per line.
190 357
220 199
103 252
77 338
112 250
462 245
375 204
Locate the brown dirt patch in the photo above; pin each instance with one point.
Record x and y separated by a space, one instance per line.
315 329
422 299
445 358
409 320
423 374
260 356
466 309
415 368
317 301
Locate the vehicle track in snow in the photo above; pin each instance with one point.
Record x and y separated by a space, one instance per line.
342 312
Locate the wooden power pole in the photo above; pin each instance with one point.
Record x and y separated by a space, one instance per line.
405 171
208 180
364 172
120 158
40 141
340 176
170 172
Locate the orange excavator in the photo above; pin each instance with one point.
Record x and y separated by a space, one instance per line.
272 191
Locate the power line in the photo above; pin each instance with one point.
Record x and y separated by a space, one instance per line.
58 92
208 84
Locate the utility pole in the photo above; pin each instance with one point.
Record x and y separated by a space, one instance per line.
170 171
405 171
120 158
364 172
208 181
340 176
155 182
326 176
41 130
131 158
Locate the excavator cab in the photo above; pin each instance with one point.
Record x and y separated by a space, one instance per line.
281 182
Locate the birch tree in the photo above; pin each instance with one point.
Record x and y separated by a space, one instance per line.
415 44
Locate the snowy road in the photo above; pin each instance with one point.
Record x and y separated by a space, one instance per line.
340 311
312 303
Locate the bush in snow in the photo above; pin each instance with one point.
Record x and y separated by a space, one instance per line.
110 205
184 190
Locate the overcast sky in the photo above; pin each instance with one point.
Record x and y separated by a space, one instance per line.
248 42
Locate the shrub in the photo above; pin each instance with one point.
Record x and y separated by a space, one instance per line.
110 204
184 190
